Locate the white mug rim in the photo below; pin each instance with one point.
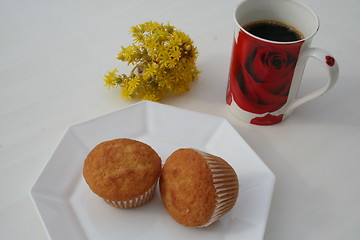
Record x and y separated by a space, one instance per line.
278 42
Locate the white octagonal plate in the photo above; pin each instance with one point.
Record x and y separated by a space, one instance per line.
69 210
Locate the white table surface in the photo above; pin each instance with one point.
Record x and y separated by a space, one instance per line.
53 55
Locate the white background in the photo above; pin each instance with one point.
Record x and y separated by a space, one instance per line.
53 55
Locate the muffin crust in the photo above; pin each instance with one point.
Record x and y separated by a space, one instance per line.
121 169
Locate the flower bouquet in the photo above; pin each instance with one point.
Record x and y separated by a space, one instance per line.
163 59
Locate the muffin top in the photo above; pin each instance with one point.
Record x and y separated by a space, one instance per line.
121 169
187 189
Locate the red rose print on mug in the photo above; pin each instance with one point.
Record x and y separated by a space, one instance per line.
261 75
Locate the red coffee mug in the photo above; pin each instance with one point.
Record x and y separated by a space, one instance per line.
265 75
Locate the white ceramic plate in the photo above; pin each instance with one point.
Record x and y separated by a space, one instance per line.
69 210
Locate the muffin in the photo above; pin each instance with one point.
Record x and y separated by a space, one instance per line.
197 188
124 172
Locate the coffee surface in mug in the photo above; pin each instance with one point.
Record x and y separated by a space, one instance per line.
274 31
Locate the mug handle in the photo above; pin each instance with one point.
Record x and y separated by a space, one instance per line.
329 62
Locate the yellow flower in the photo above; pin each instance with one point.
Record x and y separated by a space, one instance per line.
132 84
151 97
110 78
150 70
125 93
175 53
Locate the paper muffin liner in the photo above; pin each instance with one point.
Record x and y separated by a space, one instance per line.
135 202
226 185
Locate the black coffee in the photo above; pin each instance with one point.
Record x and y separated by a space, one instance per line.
274 31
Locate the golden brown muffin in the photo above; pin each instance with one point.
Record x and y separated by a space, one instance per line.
197 188
123 171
